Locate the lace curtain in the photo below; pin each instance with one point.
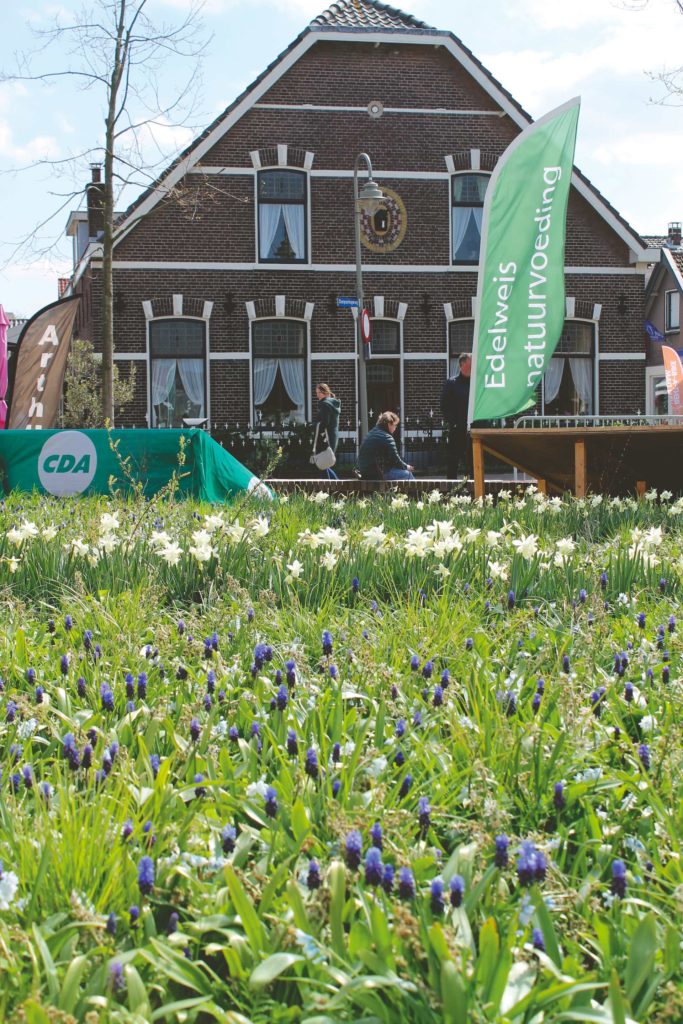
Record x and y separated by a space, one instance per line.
163 380
463 216
192 378
270 216
582 375
553 379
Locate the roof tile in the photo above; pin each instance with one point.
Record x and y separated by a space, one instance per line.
366 14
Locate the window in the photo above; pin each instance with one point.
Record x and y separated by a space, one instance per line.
460 339
279 369
568 383
282 217
467 208
386 338
672 311
177 350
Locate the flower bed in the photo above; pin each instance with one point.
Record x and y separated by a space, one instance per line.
334 760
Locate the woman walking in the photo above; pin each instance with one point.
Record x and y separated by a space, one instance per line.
327 418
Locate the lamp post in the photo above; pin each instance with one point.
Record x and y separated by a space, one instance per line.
369 198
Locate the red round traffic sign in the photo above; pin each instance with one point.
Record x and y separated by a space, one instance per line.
365 327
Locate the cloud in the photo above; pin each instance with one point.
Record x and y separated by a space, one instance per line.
641 149
40 147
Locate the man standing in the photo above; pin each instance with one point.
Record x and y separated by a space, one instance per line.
455 398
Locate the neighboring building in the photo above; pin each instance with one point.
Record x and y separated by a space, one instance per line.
663 301
227 271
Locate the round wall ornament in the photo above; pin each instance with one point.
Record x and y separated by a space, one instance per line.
383 230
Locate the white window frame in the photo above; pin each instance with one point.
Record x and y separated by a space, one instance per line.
307 360
596 364
207 362
309 238
669 296
653 375
452 261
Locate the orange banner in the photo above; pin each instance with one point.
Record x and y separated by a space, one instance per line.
674 379
41 361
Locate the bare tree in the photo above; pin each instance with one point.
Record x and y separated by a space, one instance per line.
670 78
116 49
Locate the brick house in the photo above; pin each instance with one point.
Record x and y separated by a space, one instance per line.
663 301
227 271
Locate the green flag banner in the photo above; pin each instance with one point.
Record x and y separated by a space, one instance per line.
520 298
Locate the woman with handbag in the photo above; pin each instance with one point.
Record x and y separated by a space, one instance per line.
326 430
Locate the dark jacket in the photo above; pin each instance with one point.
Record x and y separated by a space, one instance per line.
455 397
328 418
378 453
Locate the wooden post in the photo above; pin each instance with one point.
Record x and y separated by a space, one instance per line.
542 486
641 487
478 462
580 469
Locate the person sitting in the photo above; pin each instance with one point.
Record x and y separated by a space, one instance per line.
378 458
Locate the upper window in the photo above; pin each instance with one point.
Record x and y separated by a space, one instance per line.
279 368
672 311
460 339
282 217
177 350
467 209
386 338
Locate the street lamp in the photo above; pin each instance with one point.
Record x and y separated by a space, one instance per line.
368 198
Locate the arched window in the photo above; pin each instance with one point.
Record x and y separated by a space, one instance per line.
282 217
467 208
460 339
279 370
569 381
177 361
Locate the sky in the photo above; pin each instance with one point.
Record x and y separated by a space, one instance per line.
610 52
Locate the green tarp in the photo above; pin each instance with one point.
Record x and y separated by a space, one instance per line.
66 462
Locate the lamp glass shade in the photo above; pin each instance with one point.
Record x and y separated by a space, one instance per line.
371 196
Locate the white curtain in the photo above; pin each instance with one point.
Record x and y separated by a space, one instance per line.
292 371
294 225
265 371
192 378
461 218
269 215
553 379
582 374
163 379
478 214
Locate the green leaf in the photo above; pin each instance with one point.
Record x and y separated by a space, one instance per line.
453 994
616 1000
137 993
337 883
253 928
273 967
48 963
641 960
546 925
298 907
672 948
489 949
381 934
68 997
301 826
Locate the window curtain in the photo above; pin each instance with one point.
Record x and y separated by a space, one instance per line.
582 375
265 372
192 378
553 379
269 215
294 226
461 218
292 371
163 380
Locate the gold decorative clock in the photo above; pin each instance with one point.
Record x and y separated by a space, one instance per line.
383 230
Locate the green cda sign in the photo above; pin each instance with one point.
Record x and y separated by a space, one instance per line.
67 463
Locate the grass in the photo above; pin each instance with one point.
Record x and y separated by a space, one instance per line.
458 698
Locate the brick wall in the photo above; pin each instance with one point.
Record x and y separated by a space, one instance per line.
211 219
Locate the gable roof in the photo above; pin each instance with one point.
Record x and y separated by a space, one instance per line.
349 19
367 14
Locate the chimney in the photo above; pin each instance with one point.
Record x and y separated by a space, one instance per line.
674 238
94 192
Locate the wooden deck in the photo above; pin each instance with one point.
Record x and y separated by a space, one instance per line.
413 488
604 460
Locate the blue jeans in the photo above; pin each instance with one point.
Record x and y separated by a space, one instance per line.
398 474
330 474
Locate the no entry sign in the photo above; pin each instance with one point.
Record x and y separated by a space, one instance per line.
365 327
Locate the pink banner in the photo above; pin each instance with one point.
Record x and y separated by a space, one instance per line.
4 324
674 379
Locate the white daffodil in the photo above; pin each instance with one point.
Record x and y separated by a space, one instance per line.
434 497
49 532
15 536
13 564
260 526
329 537
295 570
527 547
213 523
329 560
417 543
308 539
442 571
375 537
259 788
319 497
78 547
9 884
159 539
201 552
234 532
471 534
171 553
565 547
497 571
399 501
108 543
492 538
109 522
